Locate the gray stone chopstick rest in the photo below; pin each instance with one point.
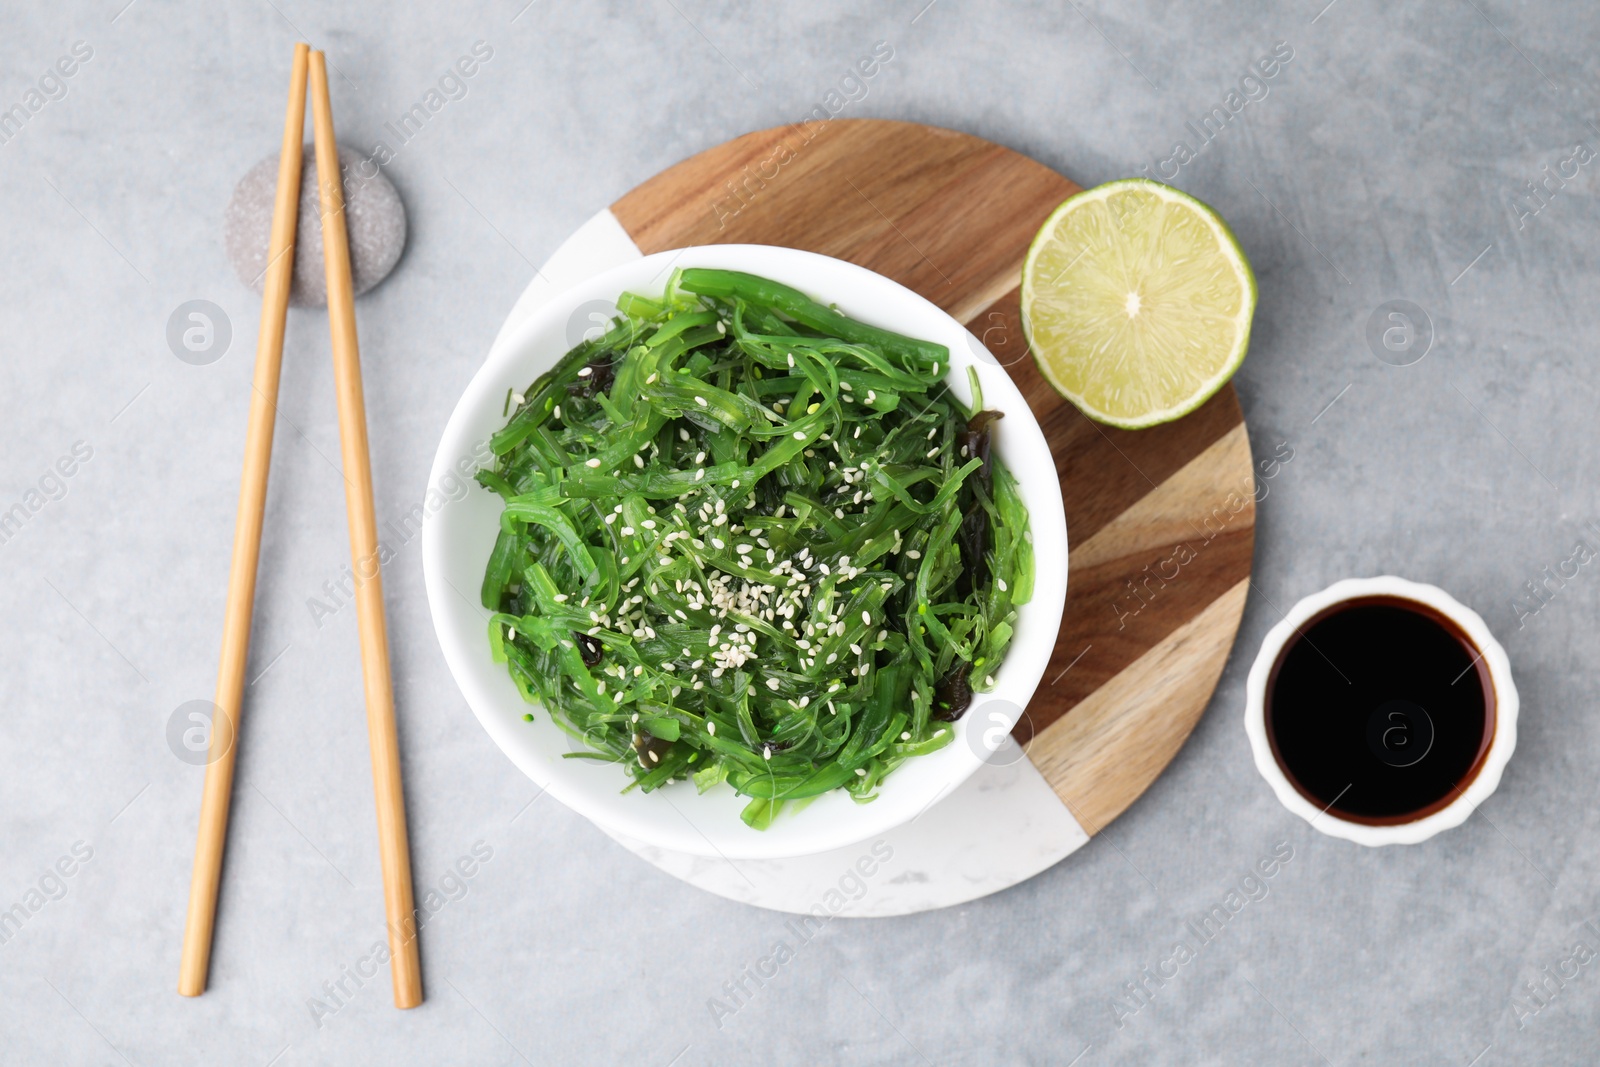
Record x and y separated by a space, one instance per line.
374 217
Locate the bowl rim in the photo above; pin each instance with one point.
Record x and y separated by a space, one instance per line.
526 351
1492 766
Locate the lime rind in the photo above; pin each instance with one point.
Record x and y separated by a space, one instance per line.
1188 385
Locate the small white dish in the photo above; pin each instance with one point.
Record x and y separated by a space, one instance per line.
1479 788
458 535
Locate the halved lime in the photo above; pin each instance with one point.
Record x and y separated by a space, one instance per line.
1136 301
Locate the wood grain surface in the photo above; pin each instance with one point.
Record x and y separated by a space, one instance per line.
1161 522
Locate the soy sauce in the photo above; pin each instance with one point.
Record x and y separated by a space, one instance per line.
1380 710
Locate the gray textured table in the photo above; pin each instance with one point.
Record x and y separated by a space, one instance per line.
1390 158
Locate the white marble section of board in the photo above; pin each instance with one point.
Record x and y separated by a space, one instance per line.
597 245
1001 827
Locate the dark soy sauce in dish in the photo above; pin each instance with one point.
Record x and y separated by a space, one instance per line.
1381 710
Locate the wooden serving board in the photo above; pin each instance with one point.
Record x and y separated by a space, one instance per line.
1161 521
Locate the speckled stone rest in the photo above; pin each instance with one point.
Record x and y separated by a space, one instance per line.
374 215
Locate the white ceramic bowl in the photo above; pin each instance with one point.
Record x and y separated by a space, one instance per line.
1505 712
458 535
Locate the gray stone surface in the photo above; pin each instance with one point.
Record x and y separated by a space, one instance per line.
375 224
1387 161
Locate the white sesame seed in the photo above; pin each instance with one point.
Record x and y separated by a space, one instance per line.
648 524
585 372
883 635
557 411
711 728
638 461
766 751
913 554
866 617
1001 582
652 379
798 436
855 648
600 687
772 684
683 434
862 771
931 453
791 359
653 757
699 474
611 518
906 736
699 457
700 400
592 462
932 432
560 598
989 681
627 531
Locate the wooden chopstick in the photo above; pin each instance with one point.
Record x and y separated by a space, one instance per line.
393 849
218 789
